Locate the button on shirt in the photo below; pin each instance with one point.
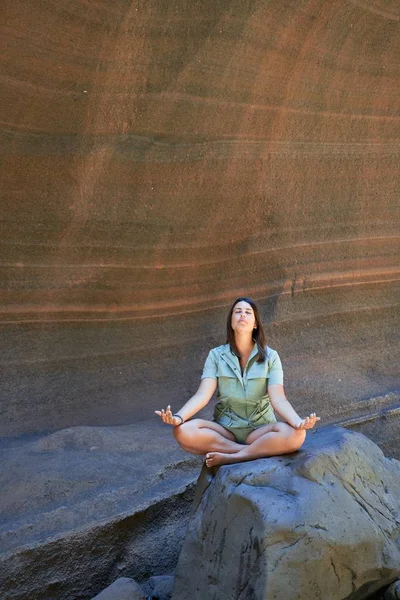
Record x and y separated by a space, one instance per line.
247 394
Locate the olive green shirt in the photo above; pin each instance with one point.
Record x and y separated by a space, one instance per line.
243 395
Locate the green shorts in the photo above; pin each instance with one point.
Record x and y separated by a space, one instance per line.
240 426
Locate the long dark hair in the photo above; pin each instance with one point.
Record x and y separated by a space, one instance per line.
258 334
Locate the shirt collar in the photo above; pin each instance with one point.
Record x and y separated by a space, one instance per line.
228 352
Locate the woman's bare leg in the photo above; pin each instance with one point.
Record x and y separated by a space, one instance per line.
199 436
269 440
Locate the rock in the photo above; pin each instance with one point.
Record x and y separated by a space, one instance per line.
256 149
393 591
160 587
320 523
123 588
75 518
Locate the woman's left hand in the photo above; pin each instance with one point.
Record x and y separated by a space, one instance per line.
308 422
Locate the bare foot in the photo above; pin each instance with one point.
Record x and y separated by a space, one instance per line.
214 459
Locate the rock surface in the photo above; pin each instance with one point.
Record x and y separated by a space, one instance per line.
160 587
160 158
90 502
321 523
393 591
123 588
84 506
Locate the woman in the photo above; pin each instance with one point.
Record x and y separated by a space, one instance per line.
249 378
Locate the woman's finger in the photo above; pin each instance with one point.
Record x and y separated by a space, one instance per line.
167 416
314 416
308 422
159 413
312 421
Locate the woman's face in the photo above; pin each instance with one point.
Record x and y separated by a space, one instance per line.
243 319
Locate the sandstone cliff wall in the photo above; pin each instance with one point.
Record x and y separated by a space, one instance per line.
160 158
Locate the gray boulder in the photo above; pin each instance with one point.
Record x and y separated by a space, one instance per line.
123 588
84 506
323 523
393 591
160 587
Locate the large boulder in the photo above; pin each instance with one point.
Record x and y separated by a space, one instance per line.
84 506
322 523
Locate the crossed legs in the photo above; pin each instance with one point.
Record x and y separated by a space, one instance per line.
198 436
218 444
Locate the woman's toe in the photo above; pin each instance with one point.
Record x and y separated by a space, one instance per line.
208 459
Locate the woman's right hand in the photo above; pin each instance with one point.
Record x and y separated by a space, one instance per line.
167 417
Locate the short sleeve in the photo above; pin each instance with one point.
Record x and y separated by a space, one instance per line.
275 371
210 366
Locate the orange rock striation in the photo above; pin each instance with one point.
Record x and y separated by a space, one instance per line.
160 159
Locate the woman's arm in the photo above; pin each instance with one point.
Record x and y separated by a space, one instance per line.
285 410
198 401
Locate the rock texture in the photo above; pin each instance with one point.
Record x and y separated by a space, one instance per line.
92 504
123 588
159 587
393 591
160 158
322 523
84 506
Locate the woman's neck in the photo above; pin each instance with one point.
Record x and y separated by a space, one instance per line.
244 345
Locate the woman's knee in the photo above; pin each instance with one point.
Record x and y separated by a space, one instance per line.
294 437
297 439
183 432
